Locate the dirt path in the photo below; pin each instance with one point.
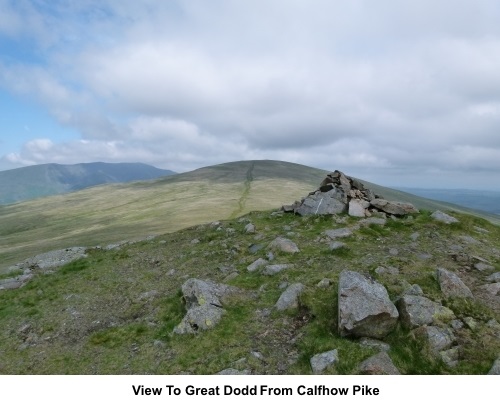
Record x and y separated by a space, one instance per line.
246 192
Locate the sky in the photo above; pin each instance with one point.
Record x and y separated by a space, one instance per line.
400 93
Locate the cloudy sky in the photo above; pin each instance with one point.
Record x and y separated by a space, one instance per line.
402 93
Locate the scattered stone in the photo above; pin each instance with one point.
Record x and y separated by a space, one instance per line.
393 252
480 230
495 368
250 228
471 323
457 324
439 339
204 306
373 221
417 311
364 307
483 267
394 207
451 285
325 283
387 270
290 297
148 295
257 264
270 256
283 285
442 217
375 344
450 357
492 289
414 236
254 248
271 269
233 371
258 355
424 256
338 233
322 361
284 245
414 289
195 241
494 277
469 240
230 276
336 245
379 364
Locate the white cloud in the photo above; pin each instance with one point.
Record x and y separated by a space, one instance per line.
372 87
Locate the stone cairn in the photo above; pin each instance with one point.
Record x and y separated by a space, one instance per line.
339 193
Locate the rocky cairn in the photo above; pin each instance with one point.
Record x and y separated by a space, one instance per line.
339 193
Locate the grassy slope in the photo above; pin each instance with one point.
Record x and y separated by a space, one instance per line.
114 312
110 213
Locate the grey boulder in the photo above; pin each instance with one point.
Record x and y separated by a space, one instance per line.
364 307
451 285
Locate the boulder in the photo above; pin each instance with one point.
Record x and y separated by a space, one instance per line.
379 364
495 277
394 207
416 310
451 285
364 307
290 297
323 203
442 217
438 338
491 289
322 361
257 264
357 208
271 269
204 303
284 245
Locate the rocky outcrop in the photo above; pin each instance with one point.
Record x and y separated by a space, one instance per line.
364 307
204 303
339 193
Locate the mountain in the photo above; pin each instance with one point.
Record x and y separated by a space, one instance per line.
113 212
483 200
37 181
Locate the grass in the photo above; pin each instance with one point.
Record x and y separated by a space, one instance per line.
114 311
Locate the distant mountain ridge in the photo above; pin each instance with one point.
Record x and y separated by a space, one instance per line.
36 181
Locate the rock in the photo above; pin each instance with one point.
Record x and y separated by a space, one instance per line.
457 324
416 311
480 230
471 323
439 339
338 233
394 207
322 203
257 264
325 283
195 241
250 228
284 245
442 217
336 245
483 266
469 240
492 289
379 364
271 269
233 371
414 289
387 270
357 208
495 368
375 344
290 297
451 285
204 304
494 277
364 307
414 236
393 251
450 357
373 221
322 361
254 248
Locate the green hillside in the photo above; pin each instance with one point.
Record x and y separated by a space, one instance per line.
110 213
